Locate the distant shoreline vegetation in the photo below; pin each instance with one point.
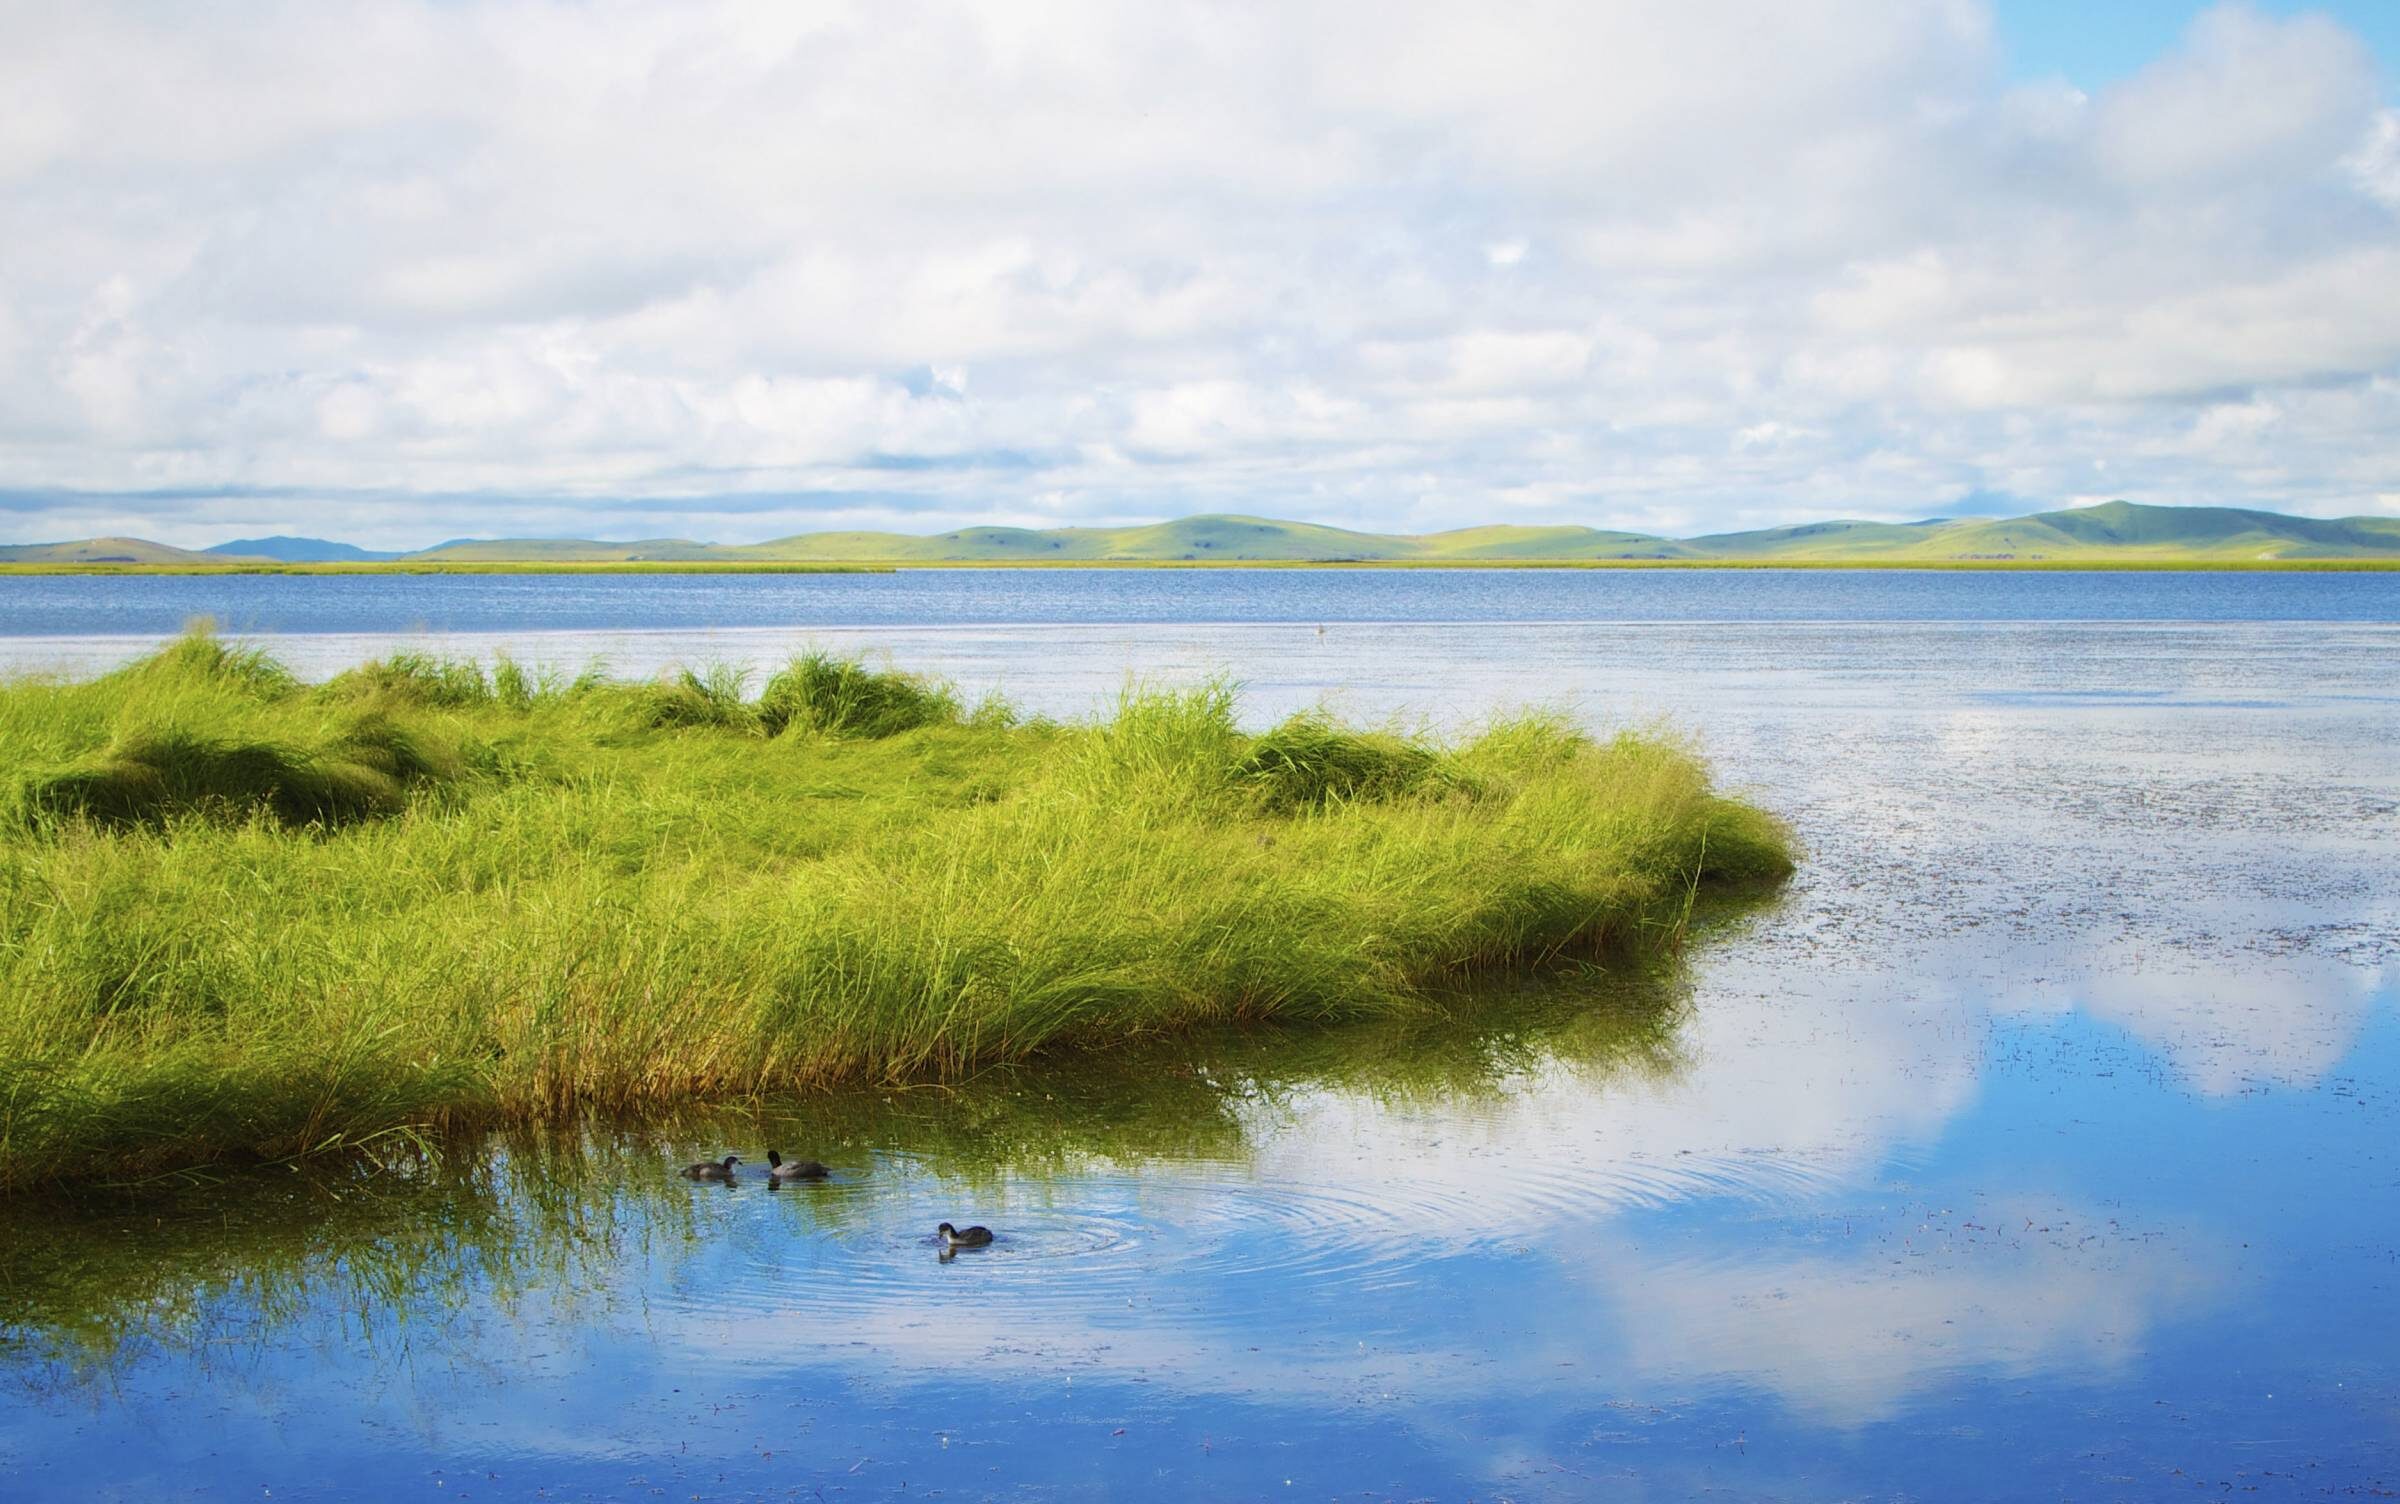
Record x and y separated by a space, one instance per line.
2113 535
246 918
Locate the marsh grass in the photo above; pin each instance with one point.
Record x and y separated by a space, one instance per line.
715 699
364 772
245 917
843 697
1308 762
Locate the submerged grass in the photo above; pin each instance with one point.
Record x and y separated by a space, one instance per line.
245 917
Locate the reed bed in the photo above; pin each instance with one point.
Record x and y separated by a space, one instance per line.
245 917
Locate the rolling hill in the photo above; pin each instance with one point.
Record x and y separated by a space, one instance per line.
2120 526
288 550
101 551
569 551
2116 530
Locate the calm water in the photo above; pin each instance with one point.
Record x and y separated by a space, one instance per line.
2040 1143
73 606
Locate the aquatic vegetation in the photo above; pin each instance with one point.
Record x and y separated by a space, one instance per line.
245 917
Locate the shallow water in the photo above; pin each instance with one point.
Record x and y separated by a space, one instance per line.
2038 1143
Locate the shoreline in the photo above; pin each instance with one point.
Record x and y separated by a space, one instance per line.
2181 564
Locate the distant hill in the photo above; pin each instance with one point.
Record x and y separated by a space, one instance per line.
2217 532
2115 530
286 550
569 551
101 551
1532 543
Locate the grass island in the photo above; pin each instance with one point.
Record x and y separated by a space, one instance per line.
247 917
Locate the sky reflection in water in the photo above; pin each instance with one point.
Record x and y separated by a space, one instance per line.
2038 1143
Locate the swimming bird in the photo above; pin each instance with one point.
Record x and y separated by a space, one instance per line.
706 1171
799 1169
973 1237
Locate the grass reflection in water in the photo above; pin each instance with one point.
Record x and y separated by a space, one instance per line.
558 1226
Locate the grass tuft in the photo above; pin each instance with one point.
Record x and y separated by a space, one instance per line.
150 777
199 655
712 700
843 697
417 679
1308 762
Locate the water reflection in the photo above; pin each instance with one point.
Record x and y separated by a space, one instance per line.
375 1257
1850 1334
2044 1132
1513 1247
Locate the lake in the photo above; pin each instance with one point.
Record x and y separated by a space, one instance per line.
2042 1141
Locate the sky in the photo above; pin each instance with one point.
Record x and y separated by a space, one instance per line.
726 270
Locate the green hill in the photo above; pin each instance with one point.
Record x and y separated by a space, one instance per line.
1252 538
1530 543
565 551
284 549
2116 530
2230 532
1220 537
102 551
967 545
1191 538
1822 540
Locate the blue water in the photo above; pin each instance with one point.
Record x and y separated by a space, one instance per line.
2042 1142
76 606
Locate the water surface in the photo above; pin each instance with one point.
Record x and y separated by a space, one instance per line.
72 606
2040 1142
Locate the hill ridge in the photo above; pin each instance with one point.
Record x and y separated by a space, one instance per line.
2133 531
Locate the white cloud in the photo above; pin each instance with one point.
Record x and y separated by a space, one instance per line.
2245 96
631 253
1843 1341
2376 163
2229 1032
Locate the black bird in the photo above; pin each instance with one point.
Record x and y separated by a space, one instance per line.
973 1237
706 1171
799 1169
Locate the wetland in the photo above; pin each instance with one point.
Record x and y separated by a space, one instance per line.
2036 1138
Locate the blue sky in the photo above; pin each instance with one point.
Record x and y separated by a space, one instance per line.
2092 43
729 269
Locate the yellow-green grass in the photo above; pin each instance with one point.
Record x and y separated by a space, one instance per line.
244 916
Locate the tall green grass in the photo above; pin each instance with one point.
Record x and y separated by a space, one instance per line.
819 692
242 916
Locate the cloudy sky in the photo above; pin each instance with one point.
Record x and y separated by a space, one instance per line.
398 272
